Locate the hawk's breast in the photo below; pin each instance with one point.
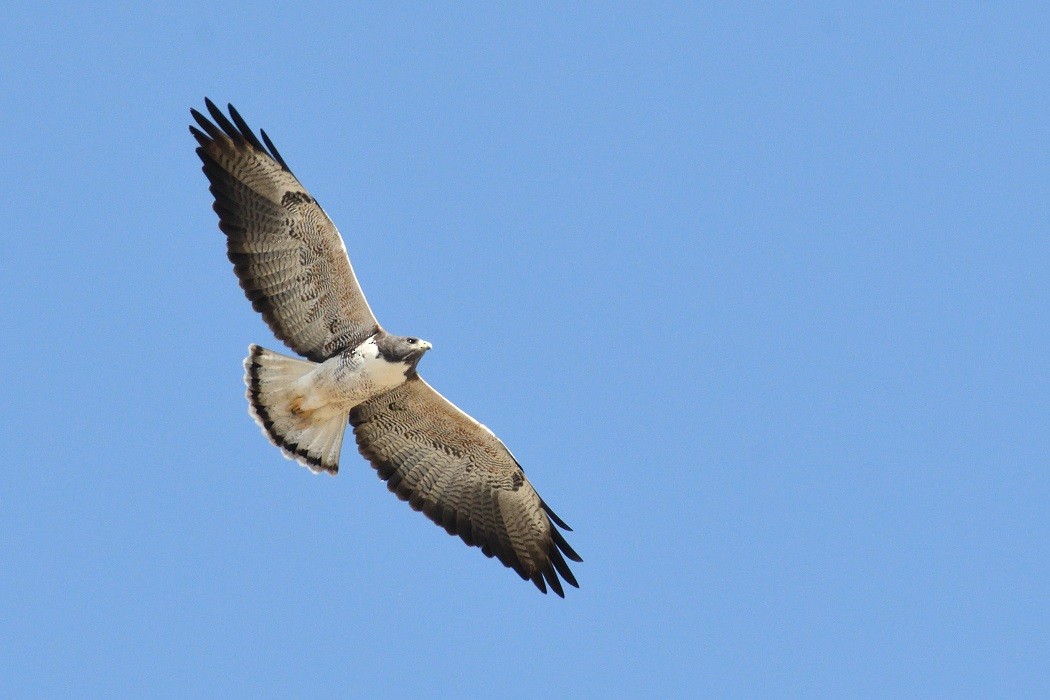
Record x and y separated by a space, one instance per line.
354 376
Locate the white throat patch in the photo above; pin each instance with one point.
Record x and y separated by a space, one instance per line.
376 369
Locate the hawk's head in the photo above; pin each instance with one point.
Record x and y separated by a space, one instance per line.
401 348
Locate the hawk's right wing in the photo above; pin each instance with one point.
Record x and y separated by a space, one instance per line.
287 253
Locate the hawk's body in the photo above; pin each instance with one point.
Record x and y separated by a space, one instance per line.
303 406
293 266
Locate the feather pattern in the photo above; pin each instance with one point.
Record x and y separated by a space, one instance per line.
449 466
286 252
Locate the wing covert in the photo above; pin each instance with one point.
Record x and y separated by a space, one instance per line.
288 255
460 475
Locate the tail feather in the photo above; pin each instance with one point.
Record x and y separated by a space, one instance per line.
274 396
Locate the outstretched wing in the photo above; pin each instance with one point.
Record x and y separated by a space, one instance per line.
287 253
446 464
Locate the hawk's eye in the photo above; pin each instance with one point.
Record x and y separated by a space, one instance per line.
411 341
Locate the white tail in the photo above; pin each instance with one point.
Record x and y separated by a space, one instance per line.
275 394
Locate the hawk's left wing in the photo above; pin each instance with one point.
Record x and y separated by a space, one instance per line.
446 464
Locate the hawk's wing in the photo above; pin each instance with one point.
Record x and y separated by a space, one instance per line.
287 253
451 467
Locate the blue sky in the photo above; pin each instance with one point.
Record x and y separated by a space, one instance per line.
758 296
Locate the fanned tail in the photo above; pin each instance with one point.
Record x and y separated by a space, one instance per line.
275 398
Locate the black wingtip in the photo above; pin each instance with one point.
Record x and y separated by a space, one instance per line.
233 128
553 581
201 137
223 121
245 130
560 543
562 568
204 123
554 517
537 579
273 150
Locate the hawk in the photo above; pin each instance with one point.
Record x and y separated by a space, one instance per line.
294 268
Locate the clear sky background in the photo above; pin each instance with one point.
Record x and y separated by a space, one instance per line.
758 296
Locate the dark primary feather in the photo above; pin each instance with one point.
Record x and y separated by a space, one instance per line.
286 252
462 477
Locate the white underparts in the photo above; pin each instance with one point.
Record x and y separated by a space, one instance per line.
303 406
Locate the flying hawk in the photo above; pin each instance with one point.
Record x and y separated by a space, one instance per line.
293 267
